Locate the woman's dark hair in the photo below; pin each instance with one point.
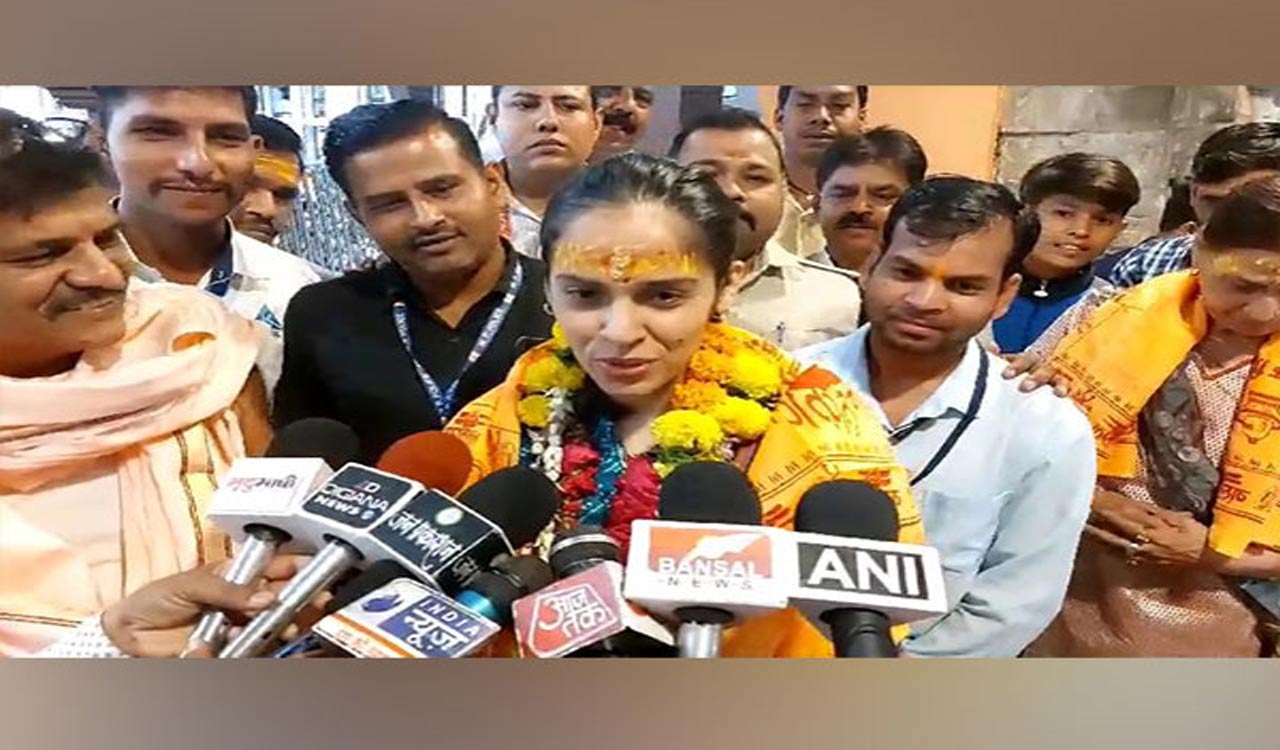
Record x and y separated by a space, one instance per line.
1247 218
1237 150
882 145
36 171
639 178
1088 177
947 207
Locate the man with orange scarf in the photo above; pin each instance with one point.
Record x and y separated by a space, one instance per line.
119 407
1180 377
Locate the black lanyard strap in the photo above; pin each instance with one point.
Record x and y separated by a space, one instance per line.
970 414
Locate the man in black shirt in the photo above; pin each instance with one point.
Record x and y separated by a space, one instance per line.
402 347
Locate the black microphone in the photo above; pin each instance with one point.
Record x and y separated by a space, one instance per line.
849 508
714 493
491 593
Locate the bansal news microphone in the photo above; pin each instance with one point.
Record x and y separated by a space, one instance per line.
706 562
440 541
331 523
300 458
405 619
851 573
584 613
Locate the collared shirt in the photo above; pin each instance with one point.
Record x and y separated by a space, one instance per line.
799 231
794 302
1154 257
1005 508
1038 304
519 224
343 358
255 281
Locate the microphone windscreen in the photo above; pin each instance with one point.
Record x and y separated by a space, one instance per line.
439 460
848 508
369 580
519 500
571 549
708 492
316 437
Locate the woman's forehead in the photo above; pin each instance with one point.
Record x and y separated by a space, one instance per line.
1259 265
625 264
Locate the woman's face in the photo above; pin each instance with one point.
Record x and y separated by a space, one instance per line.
1241 290
632 289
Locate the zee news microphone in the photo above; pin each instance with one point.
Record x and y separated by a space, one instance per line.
299 459
584 614
853 575
335 523
706 562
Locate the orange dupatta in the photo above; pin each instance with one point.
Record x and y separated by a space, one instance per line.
1126 349
820 431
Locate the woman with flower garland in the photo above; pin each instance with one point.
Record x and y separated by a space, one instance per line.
640 378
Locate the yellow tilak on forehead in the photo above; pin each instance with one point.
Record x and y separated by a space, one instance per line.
623 264
1231 263
280 167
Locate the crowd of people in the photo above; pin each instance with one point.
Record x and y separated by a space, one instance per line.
1089 435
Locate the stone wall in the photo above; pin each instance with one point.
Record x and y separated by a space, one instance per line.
1153 129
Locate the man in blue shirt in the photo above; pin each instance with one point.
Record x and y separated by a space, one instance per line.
1004 479
1081 201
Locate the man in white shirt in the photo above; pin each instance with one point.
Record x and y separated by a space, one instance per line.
1004 479
184 157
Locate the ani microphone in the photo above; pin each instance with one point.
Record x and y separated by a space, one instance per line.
854 576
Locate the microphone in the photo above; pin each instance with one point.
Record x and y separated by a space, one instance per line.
298 460
371 578
707 562
853 575
336 520
406 619
584 613
426 458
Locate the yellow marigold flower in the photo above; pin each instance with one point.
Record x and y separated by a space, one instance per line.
710 366
743 419
558 338
686 430
754 375
549 372
534 411
697 395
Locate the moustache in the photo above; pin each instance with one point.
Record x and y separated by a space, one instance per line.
72 301
855 221
620 119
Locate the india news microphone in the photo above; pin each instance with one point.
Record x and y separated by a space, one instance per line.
300 458
584 613
333 523
853 576
406 619
707 563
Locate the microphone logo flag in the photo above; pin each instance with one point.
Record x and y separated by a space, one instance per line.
406 619
731 557
902 580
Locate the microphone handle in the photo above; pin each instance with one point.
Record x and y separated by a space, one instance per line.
250 560
335 559
860 633
701 631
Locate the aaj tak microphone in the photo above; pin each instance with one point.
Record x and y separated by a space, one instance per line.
584 613
707 563
406 619
299 459
333 523
853 575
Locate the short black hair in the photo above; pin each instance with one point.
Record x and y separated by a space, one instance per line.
640 178
277 135
371 125
1088 177
1236 150
110 97
36 171
947 207
784 93
1177 206
1247 218
878 145
594 93
733 119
